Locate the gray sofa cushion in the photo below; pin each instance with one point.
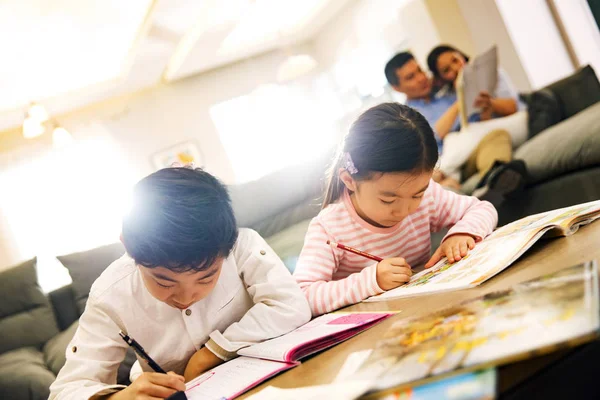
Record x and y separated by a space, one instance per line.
26 316
254 203
568 146
288 243
55 349
86 266
562 99
23 375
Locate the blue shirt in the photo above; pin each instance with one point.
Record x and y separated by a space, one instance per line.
434 108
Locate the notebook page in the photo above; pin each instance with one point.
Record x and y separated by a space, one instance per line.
327 325
231 379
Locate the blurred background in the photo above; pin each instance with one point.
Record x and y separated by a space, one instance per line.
97 94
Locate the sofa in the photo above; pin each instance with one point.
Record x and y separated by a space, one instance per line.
564 164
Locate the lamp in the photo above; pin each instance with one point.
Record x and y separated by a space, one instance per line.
295 66
32 128
33 124
61 137
37 112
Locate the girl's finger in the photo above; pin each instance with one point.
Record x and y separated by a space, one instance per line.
463 249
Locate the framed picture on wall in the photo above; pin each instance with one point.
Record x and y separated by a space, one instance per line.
184 153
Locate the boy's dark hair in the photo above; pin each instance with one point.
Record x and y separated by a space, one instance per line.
394 64
181 219
436 52
390 137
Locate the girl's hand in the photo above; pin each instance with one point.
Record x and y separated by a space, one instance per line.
393 272
455 247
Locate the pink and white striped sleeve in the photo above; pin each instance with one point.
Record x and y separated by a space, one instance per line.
314 273
464 214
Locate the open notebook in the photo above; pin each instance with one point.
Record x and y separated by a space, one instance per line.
496 252
531 318
264 360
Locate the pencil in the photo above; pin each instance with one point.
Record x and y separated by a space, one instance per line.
141 352
355 251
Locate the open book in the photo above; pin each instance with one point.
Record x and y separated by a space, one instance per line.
264 360
531 318
480 74
496 252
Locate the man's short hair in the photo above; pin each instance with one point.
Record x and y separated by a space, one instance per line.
394 64
181 219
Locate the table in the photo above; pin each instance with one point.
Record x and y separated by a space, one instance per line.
546 256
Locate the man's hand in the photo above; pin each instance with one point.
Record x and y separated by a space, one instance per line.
393 272
201 361
151 386
455 247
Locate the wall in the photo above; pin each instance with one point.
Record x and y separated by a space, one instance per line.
537 40
487 28
450 24
144 123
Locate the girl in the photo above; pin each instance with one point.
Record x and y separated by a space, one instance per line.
381 199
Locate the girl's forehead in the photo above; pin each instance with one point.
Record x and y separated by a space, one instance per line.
401 182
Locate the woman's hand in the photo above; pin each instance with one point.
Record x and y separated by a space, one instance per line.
484 103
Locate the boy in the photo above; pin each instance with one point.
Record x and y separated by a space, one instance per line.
190 290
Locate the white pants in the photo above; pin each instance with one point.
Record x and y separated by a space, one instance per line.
458 146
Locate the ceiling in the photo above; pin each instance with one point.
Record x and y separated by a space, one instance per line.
66 54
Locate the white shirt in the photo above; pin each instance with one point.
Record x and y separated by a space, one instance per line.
254 299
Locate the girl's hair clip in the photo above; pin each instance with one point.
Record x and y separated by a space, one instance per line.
349 164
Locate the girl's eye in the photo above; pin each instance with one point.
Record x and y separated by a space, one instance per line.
163 286
386 202
418 197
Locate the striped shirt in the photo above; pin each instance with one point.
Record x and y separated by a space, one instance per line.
332 278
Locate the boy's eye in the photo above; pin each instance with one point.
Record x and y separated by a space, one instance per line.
386 202
204 282
164 286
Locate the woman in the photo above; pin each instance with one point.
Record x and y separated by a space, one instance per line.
487 148
445 62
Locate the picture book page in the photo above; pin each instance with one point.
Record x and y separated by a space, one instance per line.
561 219
559 309
326 326
233 378
484 261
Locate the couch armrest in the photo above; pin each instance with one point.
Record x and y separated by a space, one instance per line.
65 308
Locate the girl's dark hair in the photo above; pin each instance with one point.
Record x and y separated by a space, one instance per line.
390 137
181 219
434 54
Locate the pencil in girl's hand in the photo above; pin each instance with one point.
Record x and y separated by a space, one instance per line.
355 251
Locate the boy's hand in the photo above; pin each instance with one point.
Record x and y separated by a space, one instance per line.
393 272
201 361
151 385
455 247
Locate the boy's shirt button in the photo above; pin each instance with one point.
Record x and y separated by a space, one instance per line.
74 349
188 312
262 252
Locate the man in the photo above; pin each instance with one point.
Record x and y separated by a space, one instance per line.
491 161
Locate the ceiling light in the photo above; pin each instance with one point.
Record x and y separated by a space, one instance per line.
37 112
32 128
295 66
61 137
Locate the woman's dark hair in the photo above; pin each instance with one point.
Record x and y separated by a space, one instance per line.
181 219
434 54
390 137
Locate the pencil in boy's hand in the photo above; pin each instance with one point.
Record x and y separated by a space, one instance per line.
355 251
139 350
